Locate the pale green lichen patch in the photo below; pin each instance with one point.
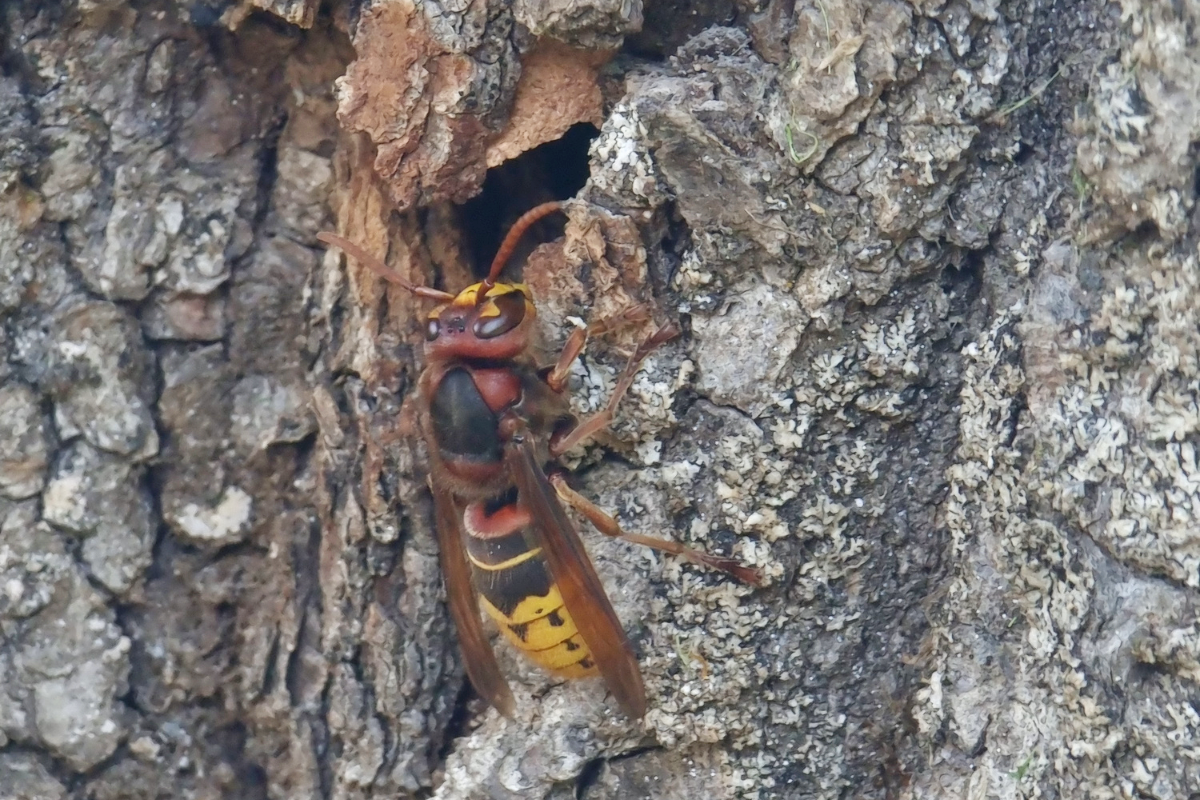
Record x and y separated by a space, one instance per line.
223 522
1110 486
951 418
1132 479
724 662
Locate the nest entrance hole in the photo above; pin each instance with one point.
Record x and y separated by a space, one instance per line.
556 170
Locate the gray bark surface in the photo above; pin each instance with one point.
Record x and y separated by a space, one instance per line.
936 263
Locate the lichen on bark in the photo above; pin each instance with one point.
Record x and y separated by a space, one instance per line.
936 265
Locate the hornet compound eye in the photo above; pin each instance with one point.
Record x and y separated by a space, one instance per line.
511 310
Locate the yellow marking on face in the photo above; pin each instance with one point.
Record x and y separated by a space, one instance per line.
470 295
520 558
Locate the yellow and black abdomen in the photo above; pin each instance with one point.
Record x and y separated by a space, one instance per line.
516 590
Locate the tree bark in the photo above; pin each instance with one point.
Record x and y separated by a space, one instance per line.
936 264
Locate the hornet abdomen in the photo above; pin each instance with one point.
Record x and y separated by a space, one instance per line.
516 590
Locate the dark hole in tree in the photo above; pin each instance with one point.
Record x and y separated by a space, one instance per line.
588 777
1194 152
207 13
556 170
668 24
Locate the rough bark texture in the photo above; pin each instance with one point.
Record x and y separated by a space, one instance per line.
937 266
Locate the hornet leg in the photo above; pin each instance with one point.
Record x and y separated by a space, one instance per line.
610 527
603 418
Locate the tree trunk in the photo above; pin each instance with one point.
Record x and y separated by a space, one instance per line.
936 265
